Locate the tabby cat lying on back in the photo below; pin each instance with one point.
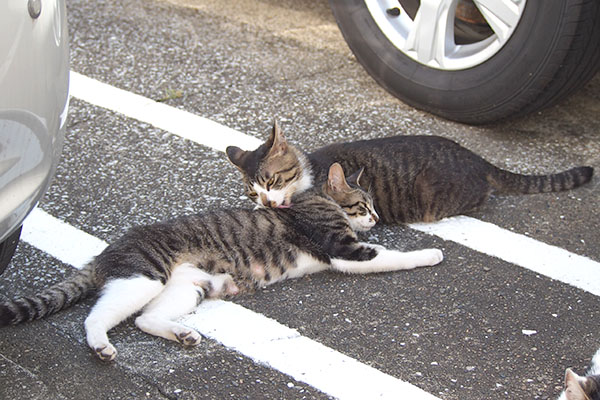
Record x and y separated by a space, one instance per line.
411 178
167 268
583 387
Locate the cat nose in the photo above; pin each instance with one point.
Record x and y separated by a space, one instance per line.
266 202
375 217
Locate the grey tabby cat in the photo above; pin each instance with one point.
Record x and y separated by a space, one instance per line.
167 268
411 178
583 387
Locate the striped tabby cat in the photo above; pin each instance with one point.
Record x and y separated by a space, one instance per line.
411 178
167 268
583 387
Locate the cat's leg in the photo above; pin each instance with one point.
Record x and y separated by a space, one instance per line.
186 288
389 260
119 299
158 318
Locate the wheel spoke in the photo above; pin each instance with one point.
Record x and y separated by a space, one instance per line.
432 29
501 15
428 35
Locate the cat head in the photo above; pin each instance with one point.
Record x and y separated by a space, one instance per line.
354 200
581 387
274 172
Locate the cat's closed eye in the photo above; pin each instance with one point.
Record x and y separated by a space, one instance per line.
251 193
353 210
272 182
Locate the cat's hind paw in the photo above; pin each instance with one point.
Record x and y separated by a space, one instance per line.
106 353
188 337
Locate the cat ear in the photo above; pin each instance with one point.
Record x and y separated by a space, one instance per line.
277 142
235 155
355 177
573 389
336 180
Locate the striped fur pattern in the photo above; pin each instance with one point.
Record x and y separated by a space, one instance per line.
411 178
166 269
585 387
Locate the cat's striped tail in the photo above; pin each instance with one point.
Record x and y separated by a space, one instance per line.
511 183
48 301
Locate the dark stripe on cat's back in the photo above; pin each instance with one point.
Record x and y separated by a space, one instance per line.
237 233
150 258
203 235
226 250
395 191
165 247
253 225
193 234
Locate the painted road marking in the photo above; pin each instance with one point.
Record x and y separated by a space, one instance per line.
264 340
179 122
59 239
551 261
487 238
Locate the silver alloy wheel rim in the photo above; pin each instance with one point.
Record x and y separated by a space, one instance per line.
434 44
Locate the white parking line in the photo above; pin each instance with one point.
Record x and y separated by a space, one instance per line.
263 340
59 239
179 122
487 238
552 261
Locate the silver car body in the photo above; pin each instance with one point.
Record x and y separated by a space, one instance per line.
34 83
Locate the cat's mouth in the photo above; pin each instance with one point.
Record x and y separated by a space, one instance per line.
287 203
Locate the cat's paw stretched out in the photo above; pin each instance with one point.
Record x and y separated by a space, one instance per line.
390 260
397 260
426 257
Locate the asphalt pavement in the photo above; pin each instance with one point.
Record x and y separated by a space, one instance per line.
475 327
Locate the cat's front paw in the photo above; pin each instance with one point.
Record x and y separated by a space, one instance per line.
432 257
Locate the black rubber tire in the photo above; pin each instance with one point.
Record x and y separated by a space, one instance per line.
7 249
580 64
553 51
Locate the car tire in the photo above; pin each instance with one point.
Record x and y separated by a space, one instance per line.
553 50
581 63
7 249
